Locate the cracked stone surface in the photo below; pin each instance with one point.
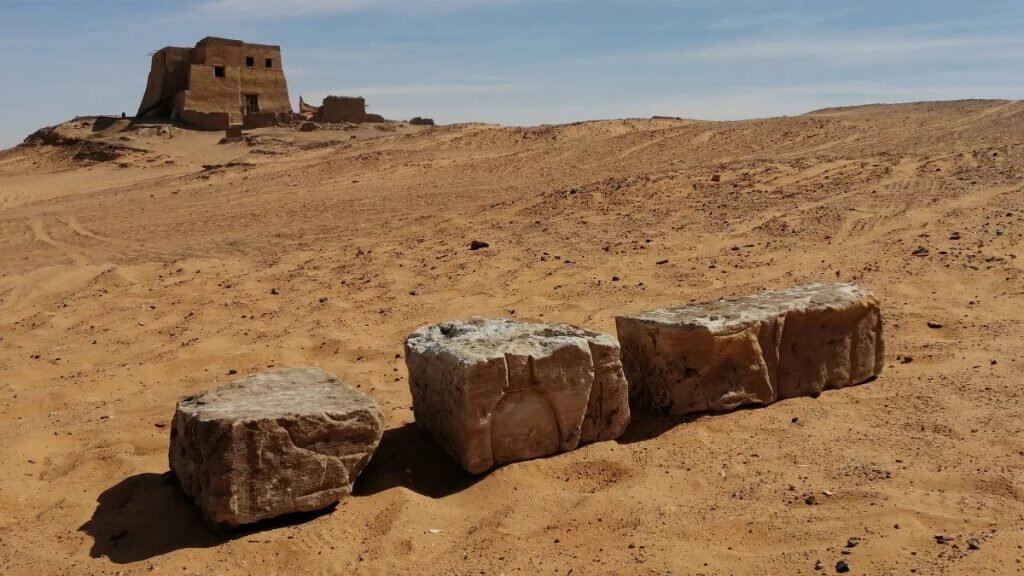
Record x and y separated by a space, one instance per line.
285 441
718 356
495 391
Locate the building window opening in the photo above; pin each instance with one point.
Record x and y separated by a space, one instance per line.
270 62
250 61
218 71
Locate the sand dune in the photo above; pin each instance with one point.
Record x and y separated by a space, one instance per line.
127 283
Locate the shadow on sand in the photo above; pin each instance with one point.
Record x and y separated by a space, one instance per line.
147 515
645 427
409 458
101 123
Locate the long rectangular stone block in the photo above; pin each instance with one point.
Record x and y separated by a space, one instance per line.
496 391
718 356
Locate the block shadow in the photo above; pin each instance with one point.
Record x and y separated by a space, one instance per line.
645 426
148 515
409 458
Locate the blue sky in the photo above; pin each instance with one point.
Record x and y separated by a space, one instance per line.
527 61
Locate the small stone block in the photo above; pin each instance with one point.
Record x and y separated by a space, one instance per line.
280 442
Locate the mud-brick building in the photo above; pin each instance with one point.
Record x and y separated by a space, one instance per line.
342 109
218 83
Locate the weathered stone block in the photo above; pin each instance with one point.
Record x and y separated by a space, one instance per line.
496 391
291 440
718 356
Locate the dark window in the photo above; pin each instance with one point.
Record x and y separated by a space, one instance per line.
250 61
270 62
218 71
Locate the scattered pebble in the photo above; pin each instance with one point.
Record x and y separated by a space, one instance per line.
478 244
920 251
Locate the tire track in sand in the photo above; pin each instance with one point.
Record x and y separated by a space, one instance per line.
39 230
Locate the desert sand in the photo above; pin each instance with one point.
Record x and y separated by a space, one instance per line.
129 282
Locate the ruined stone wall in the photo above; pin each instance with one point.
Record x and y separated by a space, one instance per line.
208 94
265 119
206 120
338 109
168 75
270 85
260 53
219 52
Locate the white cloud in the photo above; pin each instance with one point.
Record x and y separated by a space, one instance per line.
440 89
260 8
862 48
779 20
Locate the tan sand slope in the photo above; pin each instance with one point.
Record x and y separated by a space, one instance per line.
127 283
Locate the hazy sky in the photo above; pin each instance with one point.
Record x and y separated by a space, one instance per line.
526 61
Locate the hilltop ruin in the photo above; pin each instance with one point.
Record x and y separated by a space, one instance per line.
216 84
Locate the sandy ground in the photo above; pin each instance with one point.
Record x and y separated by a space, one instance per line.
126 284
